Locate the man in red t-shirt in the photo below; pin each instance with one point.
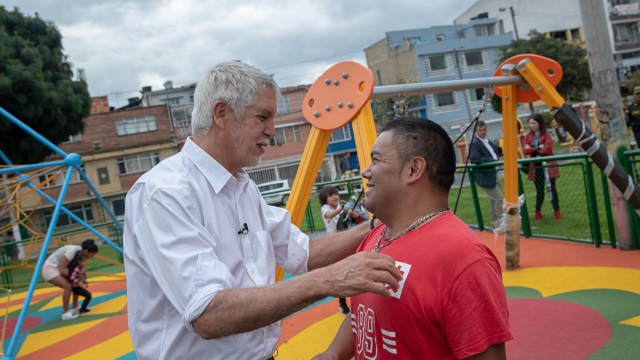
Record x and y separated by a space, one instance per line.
451 303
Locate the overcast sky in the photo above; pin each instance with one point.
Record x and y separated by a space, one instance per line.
124 44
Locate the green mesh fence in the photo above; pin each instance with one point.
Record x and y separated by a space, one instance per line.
581 196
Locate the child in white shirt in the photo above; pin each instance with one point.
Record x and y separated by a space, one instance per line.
330 202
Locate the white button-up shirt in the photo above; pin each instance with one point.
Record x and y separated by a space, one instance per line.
486 143
181 247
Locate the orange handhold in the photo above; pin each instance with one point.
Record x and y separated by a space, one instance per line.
548 67
338 95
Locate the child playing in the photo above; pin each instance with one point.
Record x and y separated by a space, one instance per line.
330 207
330 201
78 280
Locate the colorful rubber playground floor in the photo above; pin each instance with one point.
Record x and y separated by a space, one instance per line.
567 301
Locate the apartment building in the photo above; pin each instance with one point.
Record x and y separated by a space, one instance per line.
116 148
562 19
441 53
624 17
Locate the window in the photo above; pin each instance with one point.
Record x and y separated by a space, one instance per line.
341 134
118 208
481 30
184 131
437 64
475 60
73 138
84 212
138 163
103 176
181 115
476 97
171 101
263 175
283 105
75 178
443 102
136 125
287 135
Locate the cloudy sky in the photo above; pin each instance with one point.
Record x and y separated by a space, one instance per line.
125 44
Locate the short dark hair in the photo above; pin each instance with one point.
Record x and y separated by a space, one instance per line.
481 123
414 136
90 246
540 120
325 192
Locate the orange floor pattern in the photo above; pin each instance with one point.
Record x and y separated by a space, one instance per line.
552 268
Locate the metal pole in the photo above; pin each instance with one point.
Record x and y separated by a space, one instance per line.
436 87
513 18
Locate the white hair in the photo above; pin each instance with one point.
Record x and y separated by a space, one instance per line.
235 83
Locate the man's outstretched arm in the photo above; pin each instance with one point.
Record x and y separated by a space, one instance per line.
235 311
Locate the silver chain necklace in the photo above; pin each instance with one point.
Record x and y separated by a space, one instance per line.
411 227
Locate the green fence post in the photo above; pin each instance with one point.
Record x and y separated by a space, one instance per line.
5 273
524 212
607 209
115 238
349 189
311 226
591 204
476 201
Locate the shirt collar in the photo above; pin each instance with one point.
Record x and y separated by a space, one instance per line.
216 174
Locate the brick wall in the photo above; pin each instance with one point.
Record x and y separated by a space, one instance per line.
99 104
101 127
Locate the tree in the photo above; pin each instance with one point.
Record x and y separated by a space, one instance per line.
384 108
633 81
571 57
37 87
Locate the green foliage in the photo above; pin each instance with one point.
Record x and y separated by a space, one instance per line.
37 87
633 81
571 57
383 109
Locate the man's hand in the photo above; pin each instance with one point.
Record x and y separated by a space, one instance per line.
362 272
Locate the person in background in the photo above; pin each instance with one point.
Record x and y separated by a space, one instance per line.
10 247
345 166
481 151
538 142
78 279
353 213
56 271
199 288
450 303
632 113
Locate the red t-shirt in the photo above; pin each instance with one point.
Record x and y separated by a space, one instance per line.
450 304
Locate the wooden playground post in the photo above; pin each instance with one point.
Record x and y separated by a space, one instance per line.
511 207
